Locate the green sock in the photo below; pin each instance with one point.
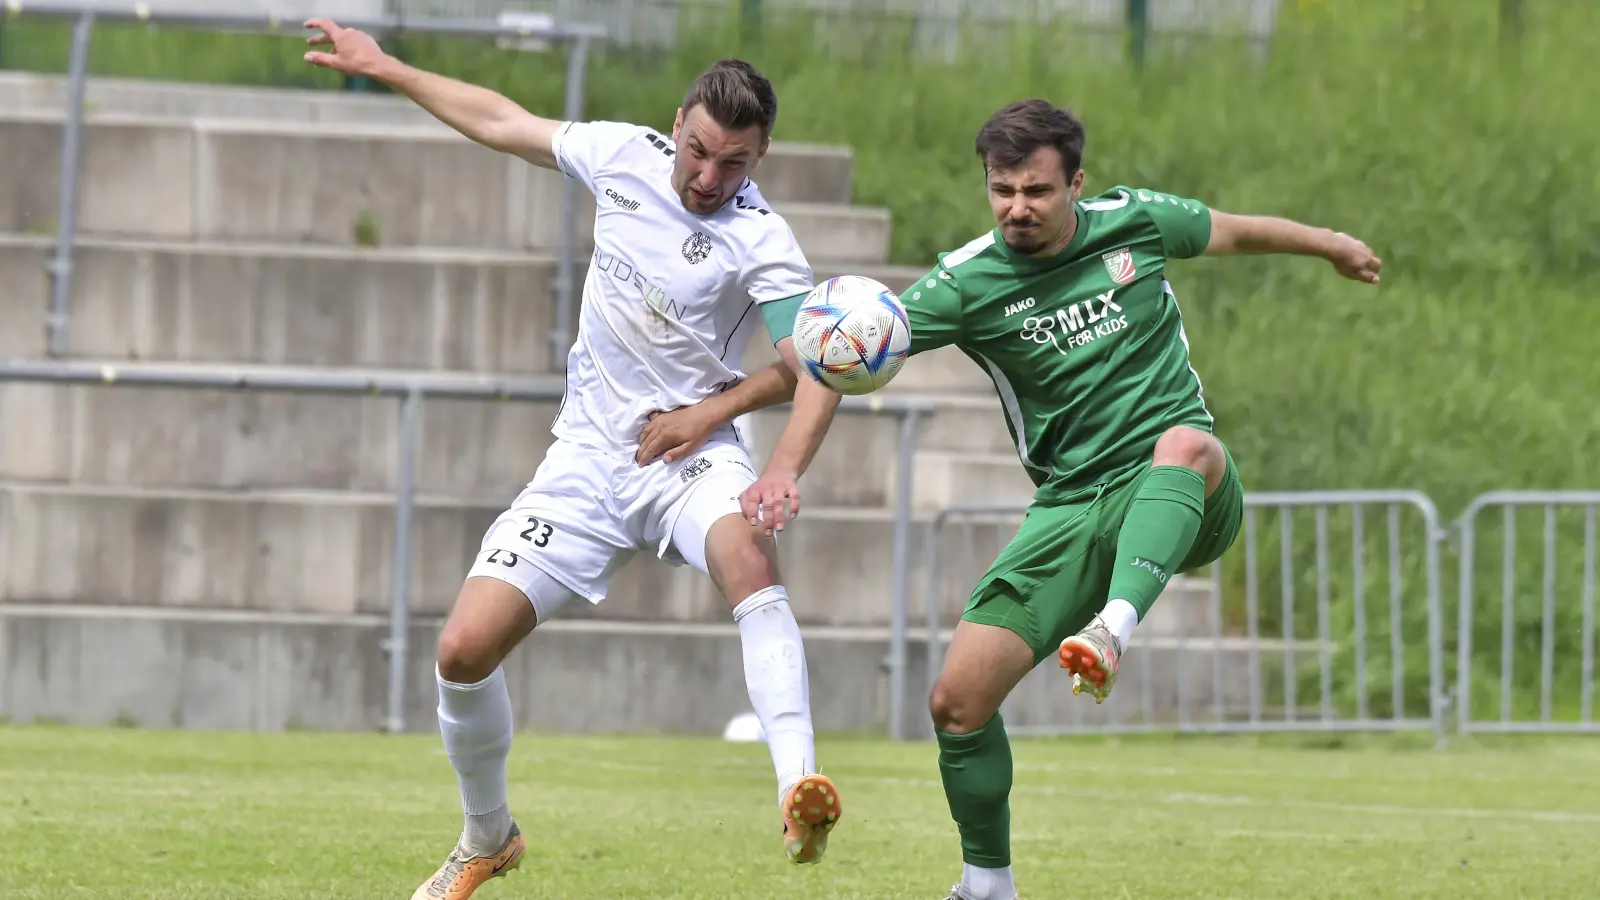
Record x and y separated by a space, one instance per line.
976 769
1157 532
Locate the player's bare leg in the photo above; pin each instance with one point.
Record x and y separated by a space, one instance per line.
742 561
982 666
489 619
1157 533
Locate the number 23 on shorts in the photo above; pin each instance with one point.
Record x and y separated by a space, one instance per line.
537 533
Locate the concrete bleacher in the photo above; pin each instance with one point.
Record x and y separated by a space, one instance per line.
236 539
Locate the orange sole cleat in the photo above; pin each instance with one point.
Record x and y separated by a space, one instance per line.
1093 668
810 811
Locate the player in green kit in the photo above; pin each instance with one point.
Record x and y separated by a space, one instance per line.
1067 306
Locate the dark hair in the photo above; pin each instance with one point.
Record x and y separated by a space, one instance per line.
736 95
1012 134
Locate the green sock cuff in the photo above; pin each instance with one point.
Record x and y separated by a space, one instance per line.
958 742
1176 484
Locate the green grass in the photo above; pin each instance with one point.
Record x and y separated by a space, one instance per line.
125 814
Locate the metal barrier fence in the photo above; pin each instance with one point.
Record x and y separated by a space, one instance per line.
411 392
1570 710
936 26
85 15
1216 655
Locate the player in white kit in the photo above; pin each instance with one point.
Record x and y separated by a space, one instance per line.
646 457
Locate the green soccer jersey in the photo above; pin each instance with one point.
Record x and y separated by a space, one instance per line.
1086 349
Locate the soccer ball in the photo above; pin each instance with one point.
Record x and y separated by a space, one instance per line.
852 334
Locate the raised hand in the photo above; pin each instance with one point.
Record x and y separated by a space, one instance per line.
1354 259
354 52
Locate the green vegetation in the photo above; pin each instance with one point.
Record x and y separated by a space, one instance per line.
1466 158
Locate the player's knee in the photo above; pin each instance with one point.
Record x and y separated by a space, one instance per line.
1192 449
742 560
467 654
955 711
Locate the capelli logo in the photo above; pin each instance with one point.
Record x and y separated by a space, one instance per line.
624 202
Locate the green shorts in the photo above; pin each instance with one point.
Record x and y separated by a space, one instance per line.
1053 577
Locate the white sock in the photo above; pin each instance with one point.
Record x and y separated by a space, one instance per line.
987 884
475 720
1121 618
775 674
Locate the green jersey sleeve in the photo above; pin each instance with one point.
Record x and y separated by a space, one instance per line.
779 316
933 307
1184 223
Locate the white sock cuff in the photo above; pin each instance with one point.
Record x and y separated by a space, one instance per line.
1121 619
764 597
498 675
464 702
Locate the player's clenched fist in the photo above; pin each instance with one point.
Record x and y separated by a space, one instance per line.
354 52
1354 259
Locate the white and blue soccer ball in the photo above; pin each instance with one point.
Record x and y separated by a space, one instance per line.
852 334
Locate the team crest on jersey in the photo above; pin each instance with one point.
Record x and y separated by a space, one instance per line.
1120 264
696 248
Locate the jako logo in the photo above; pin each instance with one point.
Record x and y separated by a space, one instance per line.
1014 308
624 202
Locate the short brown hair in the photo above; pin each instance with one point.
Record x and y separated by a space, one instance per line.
1012 134
736 95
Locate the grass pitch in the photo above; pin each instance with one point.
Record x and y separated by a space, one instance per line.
131 815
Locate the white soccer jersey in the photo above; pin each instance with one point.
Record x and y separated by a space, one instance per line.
669 301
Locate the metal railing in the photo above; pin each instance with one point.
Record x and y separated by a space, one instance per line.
1215 655
84 17
1569 710
411 391
936 26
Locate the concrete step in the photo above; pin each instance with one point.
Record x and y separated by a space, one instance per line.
331 552
218 179
949 478
275 304
166 668
461 310
815 173
963 423
198 670
161 437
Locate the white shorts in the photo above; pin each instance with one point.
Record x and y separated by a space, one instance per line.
586 513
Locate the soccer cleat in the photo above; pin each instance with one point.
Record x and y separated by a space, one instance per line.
462 874
1091 656
810 810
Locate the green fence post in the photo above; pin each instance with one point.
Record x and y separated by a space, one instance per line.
1138 30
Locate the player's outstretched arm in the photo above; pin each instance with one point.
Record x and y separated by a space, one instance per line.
1235 234
809 420
675 434
484 116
